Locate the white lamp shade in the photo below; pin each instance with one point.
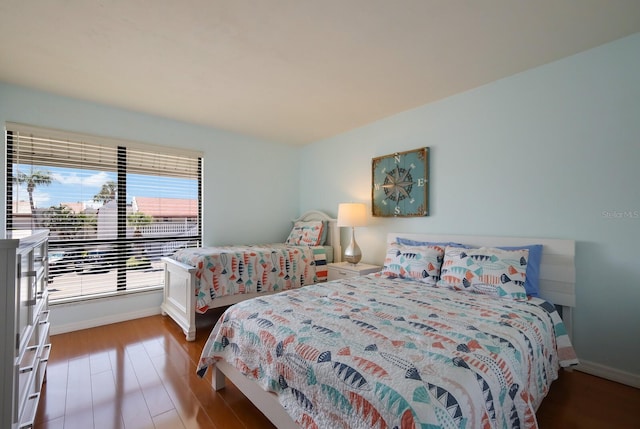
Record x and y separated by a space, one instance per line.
352 214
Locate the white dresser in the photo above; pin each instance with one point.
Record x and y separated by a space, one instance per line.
24 331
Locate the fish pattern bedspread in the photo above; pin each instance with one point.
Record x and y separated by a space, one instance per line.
231 270
371 352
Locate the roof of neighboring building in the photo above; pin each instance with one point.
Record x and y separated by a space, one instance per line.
166 207
75 207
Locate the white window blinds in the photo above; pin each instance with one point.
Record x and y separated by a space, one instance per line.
113 207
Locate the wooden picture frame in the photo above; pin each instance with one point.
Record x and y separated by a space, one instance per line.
400 184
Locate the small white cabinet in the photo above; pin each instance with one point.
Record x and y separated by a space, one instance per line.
343 270
24 330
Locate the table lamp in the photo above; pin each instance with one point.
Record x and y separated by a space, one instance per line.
352 215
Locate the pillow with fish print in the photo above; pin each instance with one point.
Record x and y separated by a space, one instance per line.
306 233
421 263
486 270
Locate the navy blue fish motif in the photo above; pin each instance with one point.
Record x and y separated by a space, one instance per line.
484 386
264 323
523 261
411 372
298 395
323 330
287 267
482 258
410 255
347 374
350 376
364 324
324 357
513 416
371 348
448 400
504 278
388 304
422 326
240 271
463 348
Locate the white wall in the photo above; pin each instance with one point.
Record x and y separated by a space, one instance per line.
245 179
551 152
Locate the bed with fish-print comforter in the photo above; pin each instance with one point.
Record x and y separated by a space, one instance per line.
371 352
231 270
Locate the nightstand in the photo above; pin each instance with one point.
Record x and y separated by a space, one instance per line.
343 270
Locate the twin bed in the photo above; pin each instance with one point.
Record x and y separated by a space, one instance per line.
445 336
211 277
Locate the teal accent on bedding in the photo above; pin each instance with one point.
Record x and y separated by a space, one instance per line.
376 352
232 270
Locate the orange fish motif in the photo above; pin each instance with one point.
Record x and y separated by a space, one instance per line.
368 412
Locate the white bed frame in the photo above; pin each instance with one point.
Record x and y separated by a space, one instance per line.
179 301
557 284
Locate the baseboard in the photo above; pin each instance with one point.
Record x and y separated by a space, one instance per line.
107 320
609 373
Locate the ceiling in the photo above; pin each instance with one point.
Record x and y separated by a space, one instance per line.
291 71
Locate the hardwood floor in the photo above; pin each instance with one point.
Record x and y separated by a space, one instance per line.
141 374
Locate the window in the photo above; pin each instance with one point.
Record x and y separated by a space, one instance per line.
113 208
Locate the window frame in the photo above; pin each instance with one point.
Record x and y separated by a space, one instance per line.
121 243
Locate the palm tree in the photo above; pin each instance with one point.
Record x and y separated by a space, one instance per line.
107 193
36 178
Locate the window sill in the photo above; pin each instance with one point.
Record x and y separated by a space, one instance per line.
104 295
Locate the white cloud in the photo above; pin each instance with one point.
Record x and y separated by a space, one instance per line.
40 199
98 179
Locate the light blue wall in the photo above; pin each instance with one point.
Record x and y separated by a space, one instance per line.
551 152
545 153
244 177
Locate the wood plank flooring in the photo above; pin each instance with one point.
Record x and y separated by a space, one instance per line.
140 374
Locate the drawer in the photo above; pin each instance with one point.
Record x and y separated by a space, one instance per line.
338 273
29 412
341 270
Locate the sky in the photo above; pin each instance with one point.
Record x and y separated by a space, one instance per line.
75 185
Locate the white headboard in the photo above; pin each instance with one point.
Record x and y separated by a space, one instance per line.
333 235
557 268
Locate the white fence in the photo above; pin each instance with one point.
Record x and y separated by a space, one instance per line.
160 229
